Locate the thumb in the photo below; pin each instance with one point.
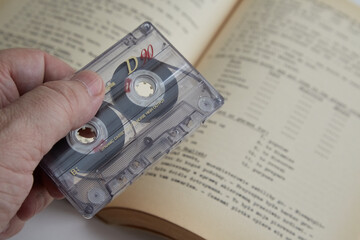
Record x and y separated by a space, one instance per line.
41 117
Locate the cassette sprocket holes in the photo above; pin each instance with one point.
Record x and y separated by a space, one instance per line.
144 87
86 134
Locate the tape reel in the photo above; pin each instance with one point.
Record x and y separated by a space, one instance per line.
87 146
152 91
151 88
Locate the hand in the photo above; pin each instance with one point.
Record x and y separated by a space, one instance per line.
40 102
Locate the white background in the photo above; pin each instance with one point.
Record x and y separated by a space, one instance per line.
61 221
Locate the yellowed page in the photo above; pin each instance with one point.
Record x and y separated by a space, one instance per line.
77 31
281 158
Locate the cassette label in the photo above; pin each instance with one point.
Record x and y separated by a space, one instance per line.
154 98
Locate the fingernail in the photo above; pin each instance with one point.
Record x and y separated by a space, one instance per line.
91 81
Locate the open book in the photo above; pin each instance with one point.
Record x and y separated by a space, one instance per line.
280 160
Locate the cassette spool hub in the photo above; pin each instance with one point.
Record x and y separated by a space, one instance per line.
156 76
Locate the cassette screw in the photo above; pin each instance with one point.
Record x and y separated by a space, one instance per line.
206 104
146 27
96 195
89 209
148 141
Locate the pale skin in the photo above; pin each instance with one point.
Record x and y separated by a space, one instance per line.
41 100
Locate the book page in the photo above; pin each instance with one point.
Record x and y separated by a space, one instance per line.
78 31
280 160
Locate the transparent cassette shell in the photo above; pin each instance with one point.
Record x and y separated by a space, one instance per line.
154 98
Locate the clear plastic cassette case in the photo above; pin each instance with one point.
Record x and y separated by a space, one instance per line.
154 98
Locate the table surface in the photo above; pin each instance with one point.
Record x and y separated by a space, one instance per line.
66 223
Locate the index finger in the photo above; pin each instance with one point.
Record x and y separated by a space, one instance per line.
21 70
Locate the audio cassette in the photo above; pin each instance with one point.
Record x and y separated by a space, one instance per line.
154 98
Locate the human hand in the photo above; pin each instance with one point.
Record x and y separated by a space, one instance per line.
36 110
